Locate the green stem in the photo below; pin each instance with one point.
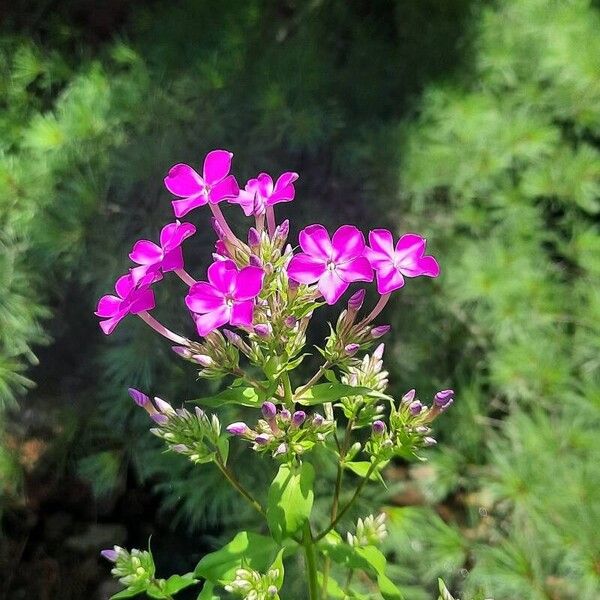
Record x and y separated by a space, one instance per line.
238 486
287 390
311 563
313 379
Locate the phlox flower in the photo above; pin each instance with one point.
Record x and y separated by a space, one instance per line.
227 297
214 186
168 255
132 298
333 263
393 264
260 193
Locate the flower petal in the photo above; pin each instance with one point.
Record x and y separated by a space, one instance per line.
332 286
145 252
108 306
357 269
314 240
246 200
306 269
183 181
203 298
348 242
142 300
172 260
242 313
388 280
410 246
285 180
109 325
381 240
222 275
217 165
124 285
265 185
212 320
183 207
248 283
378 260
228 188
173 234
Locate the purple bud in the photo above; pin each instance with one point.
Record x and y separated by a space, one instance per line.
409 396
378 427
282 231
380 331
422 429
199 412
163 407
180 448
159 418
221 249
269 410
138 397
233 338
218 229
281 449
290 321
429 441
356 300
415 408
298 418
253 237
293 284
110 554
182 351
262 439
262 330
318 420
203 360
285 414
238 428
378 352
351 349
443 398
255 261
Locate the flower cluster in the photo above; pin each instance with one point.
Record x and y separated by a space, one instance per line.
251 585
370 531
135 568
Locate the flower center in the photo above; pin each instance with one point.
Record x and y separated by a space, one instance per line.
331 265
228 301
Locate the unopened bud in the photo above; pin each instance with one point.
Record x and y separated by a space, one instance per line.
351 349
218 229
444 398
290 321
269 410
378 352
409 396
356 300
272 591
138 397
238 428
429 441
159 418
285 414
203 360
199 412
262 439
255 261
164 407
298 418
182 351
380 331
293 284
110 554
318 420
253 238
262 330
281 449
281 232
180 448
415 407
378 427
221 250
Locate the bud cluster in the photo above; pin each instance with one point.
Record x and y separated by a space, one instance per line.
251 585
195 435
133 569
369 532
283 433
409 429
215 355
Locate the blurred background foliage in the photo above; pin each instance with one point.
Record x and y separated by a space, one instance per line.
474 123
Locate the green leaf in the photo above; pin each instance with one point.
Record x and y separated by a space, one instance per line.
175 583
257 551
129 592
329 392
444 593
278 564
377 560
290 499
207 592
244 396
361 468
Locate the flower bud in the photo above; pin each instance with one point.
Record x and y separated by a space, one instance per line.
378 352
110 554
380 331
351 349
281 449
262 439
290 321
253 238
138 397
444 398
218 229
272 591
269 410
199 412
356 300
429 441
285 414
409 396
255 261
203 360
282 231
378 427
318 420
159 418
293 284
415 407
262 330
298 418
239 428
221 251
180 448
182 351
163 407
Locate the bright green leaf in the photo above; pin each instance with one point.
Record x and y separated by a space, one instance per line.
244 396
175 583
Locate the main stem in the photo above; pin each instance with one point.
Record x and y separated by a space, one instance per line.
239 487
311 563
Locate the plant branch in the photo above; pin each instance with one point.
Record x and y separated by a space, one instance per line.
311 563
238 486
313 379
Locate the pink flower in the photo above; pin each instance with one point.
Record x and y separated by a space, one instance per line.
260 193
227 297
333 263
131 298
215 184
405 260
168 256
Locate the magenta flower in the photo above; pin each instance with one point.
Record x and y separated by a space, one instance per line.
215 184
260 193
227 297
333 263
392 265
168 256
131 298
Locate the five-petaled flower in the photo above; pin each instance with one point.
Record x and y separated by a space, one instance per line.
227 297
132 298
214 186
393 264
168 256
260 193
333 263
